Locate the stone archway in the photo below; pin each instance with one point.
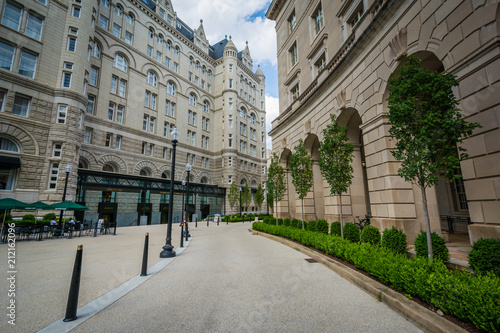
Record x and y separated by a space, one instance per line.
288 205
314 207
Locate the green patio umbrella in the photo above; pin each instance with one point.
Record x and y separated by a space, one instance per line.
9 203
38 206
68 205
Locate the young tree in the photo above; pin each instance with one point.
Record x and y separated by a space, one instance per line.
302 174
426 125
246 196
335 161
276 181
258 198
234 195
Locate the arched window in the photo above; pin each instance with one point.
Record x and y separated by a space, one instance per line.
151 33
192 99
177 50
152 79
105 3
96 50
191 61
144 172
170 88
243 183
203 70
206 106
8 145
119 10
159 39
243 113
197 65
209 73
168 45
165 175
108 167
130 18
120 62
252 118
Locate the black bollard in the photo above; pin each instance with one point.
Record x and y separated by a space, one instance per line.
182 234
74 287
196 222
208 221
217 221
95 230
144 271
187 231
114 232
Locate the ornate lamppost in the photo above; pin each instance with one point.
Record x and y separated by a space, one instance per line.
241 190
188 170
67 170
168 251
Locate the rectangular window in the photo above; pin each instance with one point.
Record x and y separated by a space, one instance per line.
144 148
57 150
158 56
75 11
119 114
153 101
295 92
129 37
147 98
318 19
34 27
167 62
165 152
27 64
123 88
111 111
12 16
114 84
291 22
118 142
320 64
165 129
176 67
151 149
103 22
54 172
21 105
229 179
66 80
94 76
145 121
87 138
149 51
90 104
152 124
109 140
62 111
293 54
71 46
2 99
6 56
117 30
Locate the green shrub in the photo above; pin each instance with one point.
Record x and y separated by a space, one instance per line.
280 221
30 218
266 220
485 256
395 240
335 228
322 226
351 232
370 234
310 226
5 217
296 223
438 246
49 216
286 222
468 297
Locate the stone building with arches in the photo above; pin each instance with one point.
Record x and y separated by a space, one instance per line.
336 57
99 85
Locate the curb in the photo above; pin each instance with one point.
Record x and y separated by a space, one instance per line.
421 317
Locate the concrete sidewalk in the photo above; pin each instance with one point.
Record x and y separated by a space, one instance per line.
226 280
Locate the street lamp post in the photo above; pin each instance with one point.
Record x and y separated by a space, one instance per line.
168 251
188 170
68 170
183 190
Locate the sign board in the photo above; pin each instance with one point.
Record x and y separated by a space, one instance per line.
216 218
144 220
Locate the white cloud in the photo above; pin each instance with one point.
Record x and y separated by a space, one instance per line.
272 111
232 18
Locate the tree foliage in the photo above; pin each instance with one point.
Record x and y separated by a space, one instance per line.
426 126
336 154
246 196
258 198
302 174
276 179
234 195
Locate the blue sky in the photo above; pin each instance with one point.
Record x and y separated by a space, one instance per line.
243 20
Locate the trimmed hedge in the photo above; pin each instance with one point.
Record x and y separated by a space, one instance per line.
351 232
322 226
370 234
439 248
485 256
286 222
311 226
471 298
395 240
335 229
296 223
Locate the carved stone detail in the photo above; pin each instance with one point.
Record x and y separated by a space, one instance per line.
341 99
399 44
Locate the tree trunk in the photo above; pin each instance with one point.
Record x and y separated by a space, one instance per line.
341 218
430 252
302 213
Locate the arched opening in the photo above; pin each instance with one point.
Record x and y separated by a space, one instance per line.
288 204
315 210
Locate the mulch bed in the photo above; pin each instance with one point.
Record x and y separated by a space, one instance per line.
464 325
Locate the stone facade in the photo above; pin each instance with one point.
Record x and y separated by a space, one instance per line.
100 84
335 57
